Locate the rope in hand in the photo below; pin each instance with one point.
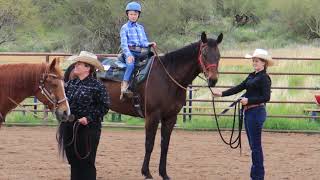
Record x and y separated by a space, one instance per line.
237 108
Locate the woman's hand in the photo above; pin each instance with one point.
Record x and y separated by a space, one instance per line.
83 121
217 93
244 101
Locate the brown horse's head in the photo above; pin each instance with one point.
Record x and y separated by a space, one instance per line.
52 91
209 57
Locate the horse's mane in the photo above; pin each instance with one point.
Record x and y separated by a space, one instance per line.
174 58
19 76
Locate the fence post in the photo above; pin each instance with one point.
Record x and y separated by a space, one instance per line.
35 107
115 117
47 58
24 111
45 115
190 102
184 113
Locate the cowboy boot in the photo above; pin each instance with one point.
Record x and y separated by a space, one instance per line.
125 91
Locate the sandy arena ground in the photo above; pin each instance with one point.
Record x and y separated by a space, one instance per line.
31 154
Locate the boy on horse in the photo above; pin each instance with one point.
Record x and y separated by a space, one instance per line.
133 40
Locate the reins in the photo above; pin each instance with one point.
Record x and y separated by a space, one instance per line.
46 93
147 81
25 109
165 69
233 143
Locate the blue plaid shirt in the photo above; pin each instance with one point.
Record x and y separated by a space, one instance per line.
132 34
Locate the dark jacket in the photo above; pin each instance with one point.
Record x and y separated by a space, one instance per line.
88 98
258 86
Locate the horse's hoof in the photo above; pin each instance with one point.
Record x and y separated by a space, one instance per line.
166 178
148 178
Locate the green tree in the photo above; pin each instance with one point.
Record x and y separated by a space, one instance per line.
14 16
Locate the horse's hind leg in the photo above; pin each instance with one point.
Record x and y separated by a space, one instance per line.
151 130
166 130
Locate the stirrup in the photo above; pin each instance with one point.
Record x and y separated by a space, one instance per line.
128 93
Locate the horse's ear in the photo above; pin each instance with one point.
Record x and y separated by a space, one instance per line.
54 63
219 39
204 37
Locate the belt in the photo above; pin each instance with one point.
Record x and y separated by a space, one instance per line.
135 48
252 106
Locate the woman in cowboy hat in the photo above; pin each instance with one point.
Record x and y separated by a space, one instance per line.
89 102
258 91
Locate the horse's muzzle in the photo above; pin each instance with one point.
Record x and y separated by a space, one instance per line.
62 116
212 82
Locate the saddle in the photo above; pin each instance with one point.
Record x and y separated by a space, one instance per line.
115 68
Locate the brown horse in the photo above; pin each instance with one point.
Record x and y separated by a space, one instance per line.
163 98
19 81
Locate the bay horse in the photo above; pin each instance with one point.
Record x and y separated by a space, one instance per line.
44 81
163 98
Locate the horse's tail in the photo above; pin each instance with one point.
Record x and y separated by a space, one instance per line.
60 139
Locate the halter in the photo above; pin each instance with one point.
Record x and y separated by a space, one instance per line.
200 60
47 93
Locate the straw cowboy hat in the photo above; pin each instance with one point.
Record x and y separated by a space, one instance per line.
89 58
262 54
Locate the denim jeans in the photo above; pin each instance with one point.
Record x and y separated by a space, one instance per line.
130 66
254 119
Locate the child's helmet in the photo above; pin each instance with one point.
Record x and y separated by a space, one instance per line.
133 6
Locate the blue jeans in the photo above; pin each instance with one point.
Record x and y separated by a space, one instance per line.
254 119
130 66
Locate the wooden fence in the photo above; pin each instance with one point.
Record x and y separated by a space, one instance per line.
188 110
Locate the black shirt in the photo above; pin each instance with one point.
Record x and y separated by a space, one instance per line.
87 98
258 86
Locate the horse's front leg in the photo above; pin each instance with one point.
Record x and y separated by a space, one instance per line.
166 130
1 119
151 126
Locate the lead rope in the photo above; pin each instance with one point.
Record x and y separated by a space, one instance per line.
237 108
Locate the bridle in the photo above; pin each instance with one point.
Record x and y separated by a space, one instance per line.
233 143
203 66
46 92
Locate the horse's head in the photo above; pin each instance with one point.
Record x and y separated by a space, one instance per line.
209 57
52 91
